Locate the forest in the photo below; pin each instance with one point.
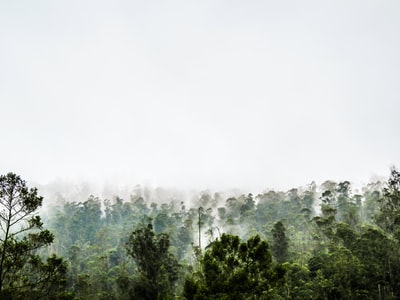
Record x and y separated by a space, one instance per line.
328 241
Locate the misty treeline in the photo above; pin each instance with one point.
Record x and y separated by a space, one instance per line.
315 242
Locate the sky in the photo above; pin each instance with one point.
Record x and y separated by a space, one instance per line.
197 94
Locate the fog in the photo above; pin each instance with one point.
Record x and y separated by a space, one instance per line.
214 94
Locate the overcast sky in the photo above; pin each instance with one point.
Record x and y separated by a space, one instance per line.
248 94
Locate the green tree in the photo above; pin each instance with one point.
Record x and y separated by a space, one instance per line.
280 243
231 269
388 216
298 284
337 275
23 274
158 269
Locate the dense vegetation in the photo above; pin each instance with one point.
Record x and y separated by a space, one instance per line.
23 273
317 242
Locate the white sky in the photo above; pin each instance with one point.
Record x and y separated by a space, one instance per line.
248 94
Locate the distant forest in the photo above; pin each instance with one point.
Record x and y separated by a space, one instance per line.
316 242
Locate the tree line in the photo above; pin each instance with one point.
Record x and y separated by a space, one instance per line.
315 242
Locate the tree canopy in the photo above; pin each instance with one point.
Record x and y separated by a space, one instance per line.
327 241
23 273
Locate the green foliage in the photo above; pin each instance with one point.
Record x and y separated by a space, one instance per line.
337 252
388 217
280 243
157 267
231 269
23 274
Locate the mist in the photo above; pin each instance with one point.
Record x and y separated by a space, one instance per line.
210 149
215 95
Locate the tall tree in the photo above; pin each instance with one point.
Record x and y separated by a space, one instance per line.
279 247
158 269
23 274
388 216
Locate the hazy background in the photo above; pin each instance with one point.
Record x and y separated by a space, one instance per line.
219 94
